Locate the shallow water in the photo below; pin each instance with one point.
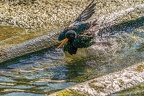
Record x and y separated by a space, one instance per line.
47 71
36 73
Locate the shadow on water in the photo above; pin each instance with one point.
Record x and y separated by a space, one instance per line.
47 71
16 60
127 27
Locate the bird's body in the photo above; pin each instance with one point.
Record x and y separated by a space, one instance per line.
78 34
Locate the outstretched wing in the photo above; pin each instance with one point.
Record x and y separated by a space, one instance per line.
78 25
87 13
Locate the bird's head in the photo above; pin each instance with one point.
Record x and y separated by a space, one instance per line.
69 36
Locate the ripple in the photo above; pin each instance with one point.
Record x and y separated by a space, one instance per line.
22 94
17 65
55 54
23 87
5 79
61 85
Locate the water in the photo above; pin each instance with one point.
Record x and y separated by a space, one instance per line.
34 74
47 71
38 73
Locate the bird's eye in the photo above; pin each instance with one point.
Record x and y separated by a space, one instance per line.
71 35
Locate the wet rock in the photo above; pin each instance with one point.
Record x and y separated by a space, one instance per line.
108 84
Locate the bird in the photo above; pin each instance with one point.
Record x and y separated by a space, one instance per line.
79 33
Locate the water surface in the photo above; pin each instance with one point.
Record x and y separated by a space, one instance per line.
47 71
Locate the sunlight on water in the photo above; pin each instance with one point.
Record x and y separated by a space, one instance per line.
37 73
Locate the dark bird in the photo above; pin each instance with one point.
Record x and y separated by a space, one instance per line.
79 33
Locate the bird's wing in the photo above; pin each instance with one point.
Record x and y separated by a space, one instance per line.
78 24
87 12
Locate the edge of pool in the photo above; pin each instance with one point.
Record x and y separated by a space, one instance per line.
107 84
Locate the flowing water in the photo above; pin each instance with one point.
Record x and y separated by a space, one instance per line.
47 71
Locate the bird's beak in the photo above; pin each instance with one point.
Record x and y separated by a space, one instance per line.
63 42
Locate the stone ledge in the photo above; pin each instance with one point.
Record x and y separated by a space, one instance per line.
107 84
